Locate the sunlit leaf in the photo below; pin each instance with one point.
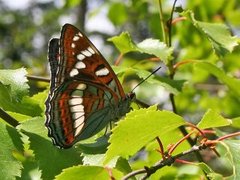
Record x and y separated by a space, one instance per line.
218 34
17 82
88 172
212 119
154 47
138 128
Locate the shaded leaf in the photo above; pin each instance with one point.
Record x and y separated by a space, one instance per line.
122 13
50 158
10 143
26 105
236 122
231 82
233 149
97 147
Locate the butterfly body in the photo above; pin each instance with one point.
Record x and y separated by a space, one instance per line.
85 94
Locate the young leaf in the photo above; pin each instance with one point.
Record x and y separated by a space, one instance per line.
212 119
10 143
138 128
16 80
88 172
154 47
123 42
218 34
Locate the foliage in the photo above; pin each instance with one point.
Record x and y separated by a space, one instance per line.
196 92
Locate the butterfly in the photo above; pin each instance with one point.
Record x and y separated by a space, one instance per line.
85 94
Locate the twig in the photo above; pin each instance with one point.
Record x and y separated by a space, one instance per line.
148 171
169 160
37 78
9 119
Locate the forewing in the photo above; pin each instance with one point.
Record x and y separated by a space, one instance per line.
79 59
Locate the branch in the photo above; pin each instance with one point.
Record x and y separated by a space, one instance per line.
148 171
9 119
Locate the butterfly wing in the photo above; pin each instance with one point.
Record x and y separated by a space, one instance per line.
80 59
85 94
79 109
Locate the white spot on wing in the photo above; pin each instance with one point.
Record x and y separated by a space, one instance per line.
81 86
75 101
73 45
78 130
102 72
79 121
80 34
73 72
86 53
80 57
76 38
80 65
77 115
90 49
77 108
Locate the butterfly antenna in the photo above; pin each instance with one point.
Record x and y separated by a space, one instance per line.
146 78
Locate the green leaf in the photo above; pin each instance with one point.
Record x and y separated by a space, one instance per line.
231 82
212 119
97 147
88 172
236 122
10 143
17 82
93 159
218 34
51 159
26 105
233 149
125 44
155 47
138 128
121 16
209 172
172 86
40 99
